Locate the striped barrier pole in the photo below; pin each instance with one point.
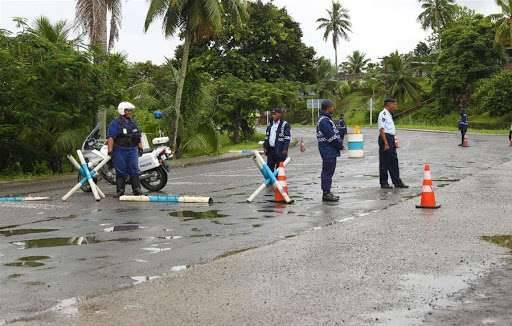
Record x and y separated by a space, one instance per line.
168 199
93 174
87 174
84 180
270 177
21 199
265 184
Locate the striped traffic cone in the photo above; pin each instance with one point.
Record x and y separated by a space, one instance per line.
466 141
281 179
428 198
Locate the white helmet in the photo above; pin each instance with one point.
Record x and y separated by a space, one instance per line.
125 106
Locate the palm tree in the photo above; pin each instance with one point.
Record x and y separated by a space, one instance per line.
55 33
337 25
194 20
504 23
399 78
92 15
436 14
357 62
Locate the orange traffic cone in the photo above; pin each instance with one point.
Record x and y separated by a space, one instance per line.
281 178
466 141
428 198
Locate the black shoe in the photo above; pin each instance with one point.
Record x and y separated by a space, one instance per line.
460 145
329 197
136 186
120 184
385 187
402 186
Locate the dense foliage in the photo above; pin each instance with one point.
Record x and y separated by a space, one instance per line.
493 95
468 54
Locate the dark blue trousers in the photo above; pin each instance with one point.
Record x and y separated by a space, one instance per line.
388 162
273 159
126 161
328 169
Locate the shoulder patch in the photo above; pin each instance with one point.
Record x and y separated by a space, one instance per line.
383 119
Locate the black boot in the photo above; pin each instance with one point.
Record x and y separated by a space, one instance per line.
330 197
136 186
120 184
401 185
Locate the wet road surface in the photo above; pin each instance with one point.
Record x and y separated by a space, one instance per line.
54 251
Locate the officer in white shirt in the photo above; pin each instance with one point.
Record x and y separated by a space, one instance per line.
388 158
277 139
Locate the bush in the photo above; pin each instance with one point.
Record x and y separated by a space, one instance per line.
493 95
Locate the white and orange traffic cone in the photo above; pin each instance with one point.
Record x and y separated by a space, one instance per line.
302 145
466 141
428 198
281 179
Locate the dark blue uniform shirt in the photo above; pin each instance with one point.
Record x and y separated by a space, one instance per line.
329 142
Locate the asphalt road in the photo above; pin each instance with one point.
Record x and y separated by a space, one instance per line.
53 253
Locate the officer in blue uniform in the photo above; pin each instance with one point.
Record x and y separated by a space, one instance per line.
277 140
124 146
342 128
329 145
388 157
463 125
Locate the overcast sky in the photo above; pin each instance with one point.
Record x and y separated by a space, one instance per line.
379 26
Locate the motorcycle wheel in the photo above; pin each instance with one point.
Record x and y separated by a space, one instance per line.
157 181
86 187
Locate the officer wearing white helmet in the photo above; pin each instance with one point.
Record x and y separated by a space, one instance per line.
124 145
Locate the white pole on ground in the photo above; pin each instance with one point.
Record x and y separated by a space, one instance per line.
260 162
90 180
79 184
264 185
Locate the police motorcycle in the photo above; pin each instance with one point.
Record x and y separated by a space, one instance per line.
152 164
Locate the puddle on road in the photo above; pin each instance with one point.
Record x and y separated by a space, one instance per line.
25 264
69 241
192 216
29 261
124 227
500 240
13 276
10 233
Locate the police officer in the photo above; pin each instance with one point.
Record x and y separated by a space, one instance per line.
463 125
342 128
388 158
510 136
277 140
124 146
329 145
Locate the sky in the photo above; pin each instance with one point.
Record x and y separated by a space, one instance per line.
379 27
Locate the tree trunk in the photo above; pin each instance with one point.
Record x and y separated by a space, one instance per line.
181 84
100 38
336 57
